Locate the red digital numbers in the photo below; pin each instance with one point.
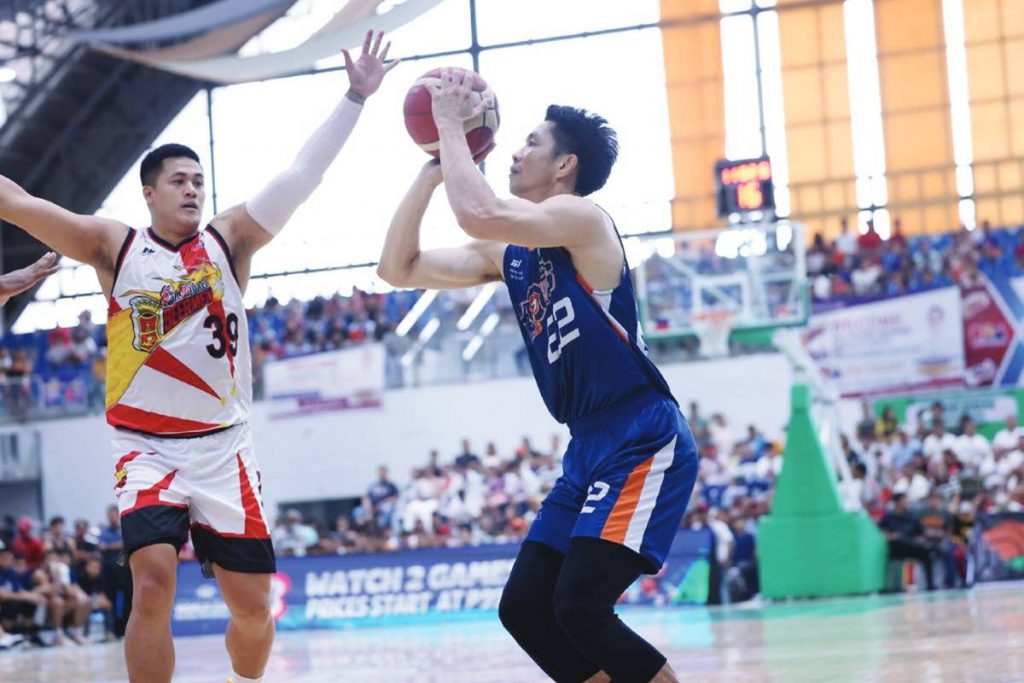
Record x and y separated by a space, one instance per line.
744 185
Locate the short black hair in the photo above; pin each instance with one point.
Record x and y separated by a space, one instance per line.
590 138
153 162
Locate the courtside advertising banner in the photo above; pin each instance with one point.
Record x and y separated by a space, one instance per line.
909 343
334 591
333 380
997 547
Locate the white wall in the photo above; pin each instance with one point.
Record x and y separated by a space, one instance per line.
336 454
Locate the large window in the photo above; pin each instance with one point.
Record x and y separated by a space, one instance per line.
258 127
622 78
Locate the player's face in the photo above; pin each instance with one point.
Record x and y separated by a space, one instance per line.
176 201
534 166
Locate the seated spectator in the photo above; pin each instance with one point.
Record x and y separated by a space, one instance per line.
491 457
423 500
467 457
971 447
906 539
27 546
741 580
59 347
912 483
870 241
865 277
382 497
87 577
937 523
347 540
292 538
887 425
903 450
937 442
83 347
56 539
69 605
846 242
1006 439
18 603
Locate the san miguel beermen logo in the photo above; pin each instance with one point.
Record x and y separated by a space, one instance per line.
155 314
538 298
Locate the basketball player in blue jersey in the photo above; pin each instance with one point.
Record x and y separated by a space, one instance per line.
630 467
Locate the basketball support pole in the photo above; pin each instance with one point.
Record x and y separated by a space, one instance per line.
810 544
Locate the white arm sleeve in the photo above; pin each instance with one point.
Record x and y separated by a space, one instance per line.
274 204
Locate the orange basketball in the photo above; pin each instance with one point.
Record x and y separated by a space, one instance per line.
419 119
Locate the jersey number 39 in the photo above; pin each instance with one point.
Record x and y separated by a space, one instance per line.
225 336
559 334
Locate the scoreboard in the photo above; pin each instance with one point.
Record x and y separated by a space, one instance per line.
743 186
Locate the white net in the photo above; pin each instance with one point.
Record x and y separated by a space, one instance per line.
712 328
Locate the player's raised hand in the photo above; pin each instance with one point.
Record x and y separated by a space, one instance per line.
18 281
453 100
366 73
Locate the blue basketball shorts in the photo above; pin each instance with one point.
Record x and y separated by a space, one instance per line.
628 474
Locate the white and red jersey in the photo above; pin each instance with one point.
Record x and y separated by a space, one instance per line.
178 340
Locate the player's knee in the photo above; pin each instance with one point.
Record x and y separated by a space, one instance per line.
519 607
578 612
255 613
153 593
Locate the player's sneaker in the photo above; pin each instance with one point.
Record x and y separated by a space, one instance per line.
8 640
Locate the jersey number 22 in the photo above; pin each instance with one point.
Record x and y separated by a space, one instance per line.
559 334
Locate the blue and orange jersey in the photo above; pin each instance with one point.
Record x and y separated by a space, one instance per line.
585 345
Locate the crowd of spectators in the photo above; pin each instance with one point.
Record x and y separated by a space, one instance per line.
468 499
55 581
868 266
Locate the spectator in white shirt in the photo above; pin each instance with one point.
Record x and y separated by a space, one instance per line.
846 242
971 447
913 484
721 437
1013 460
1006 438
293 537
937 442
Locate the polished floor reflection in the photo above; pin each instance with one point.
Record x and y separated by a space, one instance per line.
975 635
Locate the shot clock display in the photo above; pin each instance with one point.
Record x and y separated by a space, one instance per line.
743 186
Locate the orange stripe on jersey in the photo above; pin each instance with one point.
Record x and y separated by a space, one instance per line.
583 281
617 524
254 525
611 321
163 361
154 423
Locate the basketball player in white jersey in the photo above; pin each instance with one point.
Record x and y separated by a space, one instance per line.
178 376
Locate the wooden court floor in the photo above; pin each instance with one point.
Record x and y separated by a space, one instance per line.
975 635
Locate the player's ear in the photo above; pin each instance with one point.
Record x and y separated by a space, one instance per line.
568 165
147 193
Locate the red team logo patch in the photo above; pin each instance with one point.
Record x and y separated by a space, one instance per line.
155 314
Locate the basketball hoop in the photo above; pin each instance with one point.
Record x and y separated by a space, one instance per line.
712 328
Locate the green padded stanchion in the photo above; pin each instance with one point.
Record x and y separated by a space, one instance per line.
809 546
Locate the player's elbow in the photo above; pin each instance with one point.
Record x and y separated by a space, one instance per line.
395 275
389 274
479 223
